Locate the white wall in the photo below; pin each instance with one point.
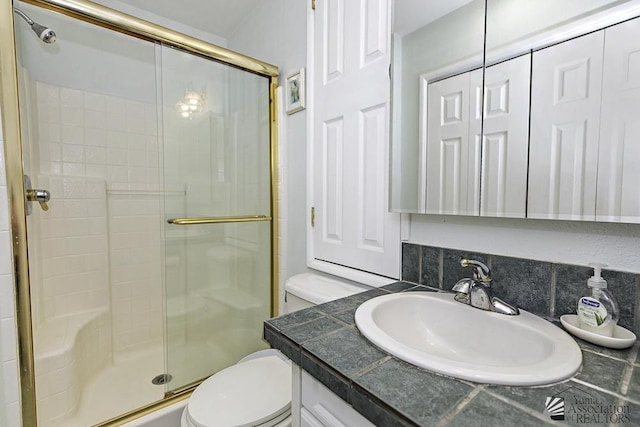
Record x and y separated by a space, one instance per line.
276 32
126 7
570 242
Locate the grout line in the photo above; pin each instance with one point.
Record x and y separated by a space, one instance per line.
609 392
636 322
633 354
608 356
306 322
420 266
369 368
459 407
519 406
552 290
332 317
302 343
626 379
628 370
440 268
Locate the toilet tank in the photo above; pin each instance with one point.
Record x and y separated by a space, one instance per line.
309 289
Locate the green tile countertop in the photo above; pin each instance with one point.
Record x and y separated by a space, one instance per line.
325 342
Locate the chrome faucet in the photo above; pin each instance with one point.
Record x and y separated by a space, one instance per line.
477 291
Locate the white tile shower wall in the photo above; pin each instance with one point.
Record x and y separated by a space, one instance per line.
74 246
9 381
100 136
136 265
70 267
101 154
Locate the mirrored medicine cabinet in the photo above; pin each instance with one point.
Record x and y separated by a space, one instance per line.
517 108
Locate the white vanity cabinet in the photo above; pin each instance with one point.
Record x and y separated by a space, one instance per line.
471 171
320 407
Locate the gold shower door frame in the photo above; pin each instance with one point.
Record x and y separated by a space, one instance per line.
9 106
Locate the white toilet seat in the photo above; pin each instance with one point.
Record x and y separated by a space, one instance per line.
255 392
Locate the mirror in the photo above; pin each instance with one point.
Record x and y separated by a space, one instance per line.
582 80
431 41
559 139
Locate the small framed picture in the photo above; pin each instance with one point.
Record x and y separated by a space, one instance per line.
294 92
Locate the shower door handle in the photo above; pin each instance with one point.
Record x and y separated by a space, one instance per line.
35 195
218 220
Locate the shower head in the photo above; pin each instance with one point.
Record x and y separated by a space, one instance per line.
45 34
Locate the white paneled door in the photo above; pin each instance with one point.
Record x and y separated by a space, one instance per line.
448 146
565 106
618 172
469 173
505 142
351 86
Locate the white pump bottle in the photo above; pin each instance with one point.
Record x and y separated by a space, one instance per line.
597 308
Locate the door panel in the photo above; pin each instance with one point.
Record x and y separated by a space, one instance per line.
216 164
351 54
448 145
332 179
565 105
506 138
619 155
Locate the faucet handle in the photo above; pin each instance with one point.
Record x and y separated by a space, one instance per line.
481 272
463 290
463 286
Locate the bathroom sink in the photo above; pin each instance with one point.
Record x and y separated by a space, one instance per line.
432 331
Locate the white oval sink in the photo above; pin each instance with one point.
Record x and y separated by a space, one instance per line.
435 332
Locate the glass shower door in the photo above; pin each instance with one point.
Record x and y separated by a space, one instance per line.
217 206
90 138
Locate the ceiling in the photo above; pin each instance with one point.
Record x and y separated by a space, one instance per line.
220 17
409 15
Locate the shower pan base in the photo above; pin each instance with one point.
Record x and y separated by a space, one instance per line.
112 391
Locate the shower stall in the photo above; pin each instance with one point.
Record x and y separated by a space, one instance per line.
147 179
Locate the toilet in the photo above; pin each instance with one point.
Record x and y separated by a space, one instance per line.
256 391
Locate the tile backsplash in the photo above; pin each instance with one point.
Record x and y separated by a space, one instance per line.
544 288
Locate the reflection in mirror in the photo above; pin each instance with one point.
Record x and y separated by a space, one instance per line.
505 139
518 26
557 110
434 41
618 196
585 95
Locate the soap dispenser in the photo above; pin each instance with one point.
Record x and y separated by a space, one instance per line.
597 309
